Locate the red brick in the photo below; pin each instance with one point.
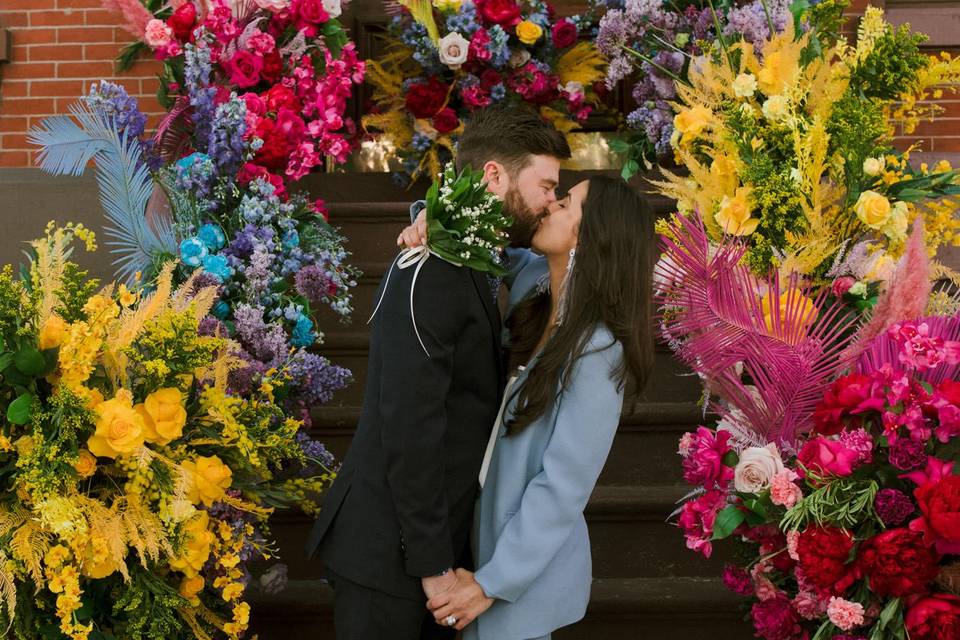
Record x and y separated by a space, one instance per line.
101 51
10 5
939 127
27 106
55 18
903 143
950 145
14 89
100 17
14 159
84 69
149 104
28 71
55 52
14 141
14 19
54 88
78 4
19 53
85 34
143 68
14 124
35 36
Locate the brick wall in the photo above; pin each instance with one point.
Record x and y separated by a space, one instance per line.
59 48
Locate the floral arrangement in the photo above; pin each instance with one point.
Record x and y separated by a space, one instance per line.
136 482
792 151
451 57
657 43
288 61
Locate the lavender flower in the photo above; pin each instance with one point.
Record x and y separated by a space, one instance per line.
893 506
750 20
266 342
315 450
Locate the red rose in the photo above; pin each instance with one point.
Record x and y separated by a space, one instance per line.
310 11
446 120
274 153
506 13
564 34
255 103
936 617
281 97
182 21
828 457
897 563
425 99
250 172
823 554
290 126
244 69
489 78
949 390
940 503
272 67
840 402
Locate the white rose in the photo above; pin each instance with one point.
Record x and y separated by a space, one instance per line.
745 85
519 57
873 166
273 5
573 88
775 108
756 468
453 49
332 7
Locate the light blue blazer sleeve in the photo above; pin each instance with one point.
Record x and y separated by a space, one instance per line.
554 500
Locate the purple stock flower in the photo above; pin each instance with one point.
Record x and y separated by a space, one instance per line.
317 377
893 506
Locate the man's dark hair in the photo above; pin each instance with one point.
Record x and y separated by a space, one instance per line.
509 135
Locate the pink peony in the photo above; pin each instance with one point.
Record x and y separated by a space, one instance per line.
783 490
696 520
157 34
845 614
828 457
244 69
704 461
775 619
261 43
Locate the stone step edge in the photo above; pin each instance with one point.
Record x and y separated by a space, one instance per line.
621 597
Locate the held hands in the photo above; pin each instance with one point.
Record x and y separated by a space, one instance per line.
465 601
416 234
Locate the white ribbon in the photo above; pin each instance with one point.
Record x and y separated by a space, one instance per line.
411 256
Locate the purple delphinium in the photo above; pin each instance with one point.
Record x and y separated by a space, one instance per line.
893 506
196 74
113 101
316 377
315 450
226 145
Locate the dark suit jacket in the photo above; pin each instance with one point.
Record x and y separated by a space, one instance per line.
401 506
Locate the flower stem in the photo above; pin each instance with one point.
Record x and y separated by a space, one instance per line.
661 68
766 12
716 25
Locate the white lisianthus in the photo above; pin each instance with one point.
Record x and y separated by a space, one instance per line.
573 88
453 49
745 85
873 166
776 108
332 7
756 468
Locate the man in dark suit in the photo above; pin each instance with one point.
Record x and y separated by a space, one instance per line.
397 519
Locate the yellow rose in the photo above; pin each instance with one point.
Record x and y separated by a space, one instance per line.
163 415
196 546
691 122
873 209
881 267
86 464
98 562
190 587
801 310
896 227
51 335
745 85
873 166
529 32
120 429
734 214
209 478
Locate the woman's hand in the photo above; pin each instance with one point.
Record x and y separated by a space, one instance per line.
465 601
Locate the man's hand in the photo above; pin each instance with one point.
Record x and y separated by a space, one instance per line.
436 585
416 234
465 601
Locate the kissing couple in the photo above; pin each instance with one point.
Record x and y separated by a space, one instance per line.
459 505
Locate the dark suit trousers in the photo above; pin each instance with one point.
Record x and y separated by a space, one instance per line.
361 613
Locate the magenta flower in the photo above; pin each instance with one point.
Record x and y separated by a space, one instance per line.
696 520
703 462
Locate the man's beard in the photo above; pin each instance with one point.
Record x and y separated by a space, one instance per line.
525 221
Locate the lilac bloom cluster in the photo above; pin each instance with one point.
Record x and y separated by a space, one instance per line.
751 21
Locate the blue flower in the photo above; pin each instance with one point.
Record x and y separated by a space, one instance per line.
212 236
217 266
303 335
291 239
187 162
221 309
192 252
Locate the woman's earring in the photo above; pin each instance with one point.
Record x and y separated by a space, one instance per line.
565 287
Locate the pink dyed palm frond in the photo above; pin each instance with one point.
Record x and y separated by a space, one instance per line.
135 15
883 349
173 132
908 289
716 322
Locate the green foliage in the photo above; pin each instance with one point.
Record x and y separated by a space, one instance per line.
636 150
855 127
146 608
12 300
776 201
842 502
891 66
170 347
77 289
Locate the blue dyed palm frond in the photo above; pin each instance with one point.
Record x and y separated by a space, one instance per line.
66 146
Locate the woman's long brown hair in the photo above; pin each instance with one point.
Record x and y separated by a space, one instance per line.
611 284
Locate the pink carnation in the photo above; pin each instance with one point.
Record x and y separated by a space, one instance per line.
261 43
157 34
845 614
808 605
696 520
783 489
792 538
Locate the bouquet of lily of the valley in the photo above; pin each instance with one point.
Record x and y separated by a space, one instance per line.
448 58
465 222
792 150
135 483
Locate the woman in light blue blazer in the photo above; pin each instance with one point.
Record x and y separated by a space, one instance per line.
579 327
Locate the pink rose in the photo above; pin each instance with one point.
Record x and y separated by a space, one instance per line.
828 457
274 6
244 69
255 103
261 43
157 34
310 11
842 285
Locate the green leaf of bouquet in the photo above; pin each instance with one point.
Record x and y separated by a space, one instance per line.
630 169
730 458
6 359
20 410
30 362
726 522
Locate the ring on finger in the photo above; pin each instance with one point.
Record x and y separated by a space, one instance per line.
450 621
